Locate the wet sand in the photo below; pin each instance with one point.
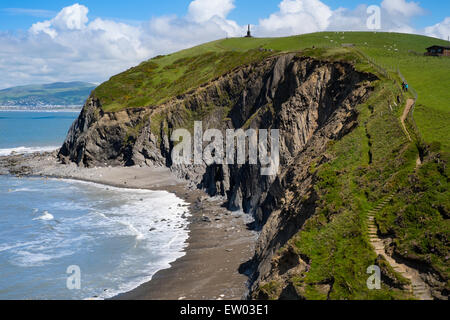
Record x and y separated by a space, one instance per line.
219 240
219 243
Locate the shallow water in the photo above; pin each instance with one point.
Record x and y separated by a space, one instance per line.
33 131
117 237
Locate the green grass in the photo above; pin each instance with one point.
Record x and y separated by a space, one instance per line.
154 82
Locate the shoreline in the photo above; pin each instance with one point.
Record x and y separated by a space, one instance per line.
219 240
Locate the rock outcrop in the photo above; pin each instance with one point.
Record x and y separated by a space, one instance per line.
312 102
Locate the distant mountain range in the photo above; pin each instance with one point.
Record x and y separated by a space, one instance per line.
54 94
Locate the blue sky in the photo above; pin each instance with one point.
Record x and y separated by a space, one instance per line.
91 40
247 11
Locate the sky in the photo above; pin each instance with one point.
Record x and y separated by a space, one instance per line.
91 40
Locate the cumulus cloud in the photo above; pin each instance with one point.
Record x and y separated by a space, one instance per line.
204 10
295 17
349 20
71 47
69 18
439 30
305 16
396 16
402 7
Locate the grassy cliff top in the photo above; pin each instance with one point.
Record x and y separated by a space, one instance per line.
162 78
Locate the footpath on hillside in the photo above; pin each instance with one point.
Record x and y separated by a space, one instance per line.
418 287
409 105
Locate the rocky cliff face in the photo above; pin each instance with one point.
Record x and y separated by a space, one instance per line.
312 103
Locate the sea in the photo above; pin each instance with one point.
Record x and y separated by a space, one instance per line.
72 240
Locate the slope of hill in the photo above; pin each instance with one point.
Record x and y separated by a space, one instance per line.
60 94
350 155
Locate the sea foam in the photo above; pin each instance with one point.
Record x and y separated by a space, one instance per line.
119 237
26 150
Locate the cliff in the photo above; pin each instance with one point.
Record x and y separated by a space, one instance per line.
312 102
302 97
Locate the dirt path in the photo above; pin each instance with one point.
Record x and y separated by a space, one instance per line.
409 105
419 288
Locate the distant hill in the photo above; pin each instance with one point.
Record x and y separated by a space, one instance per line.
59 93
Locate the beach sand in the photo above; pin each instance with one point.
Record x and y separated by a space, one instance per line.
219 240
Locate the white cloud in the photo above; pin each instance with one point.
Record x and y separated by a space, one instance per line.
71 47
45 27
295 17
204 10
69 18
305 16
396 16
349 20
402 7
29 12
439 30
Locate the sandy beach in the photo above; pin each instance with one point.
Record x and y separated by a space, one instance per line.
219 240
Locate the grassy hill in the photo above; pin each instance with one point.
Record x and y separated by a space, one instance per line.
373 162
60 93
164 77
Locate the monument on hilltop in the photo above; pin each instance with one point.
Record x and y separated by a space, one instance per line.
249 33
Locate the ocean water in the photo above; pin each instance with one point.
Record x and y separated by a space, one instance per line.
33 131
116 238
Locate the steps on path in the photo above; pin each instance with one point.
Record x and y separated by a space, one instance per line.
418 286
